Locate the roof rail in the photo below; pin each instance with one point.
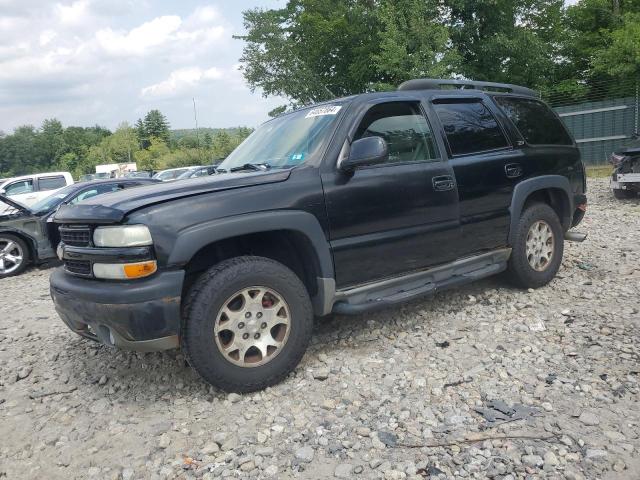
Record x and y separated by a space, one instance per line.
445 84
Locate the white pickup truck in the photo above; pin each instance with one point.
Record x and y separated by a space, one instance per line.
29 189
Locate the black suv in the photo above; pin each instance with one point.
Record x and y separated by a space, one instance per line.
352 205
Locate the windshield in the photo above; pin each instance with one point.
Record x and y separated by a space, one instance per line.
52 201
285 141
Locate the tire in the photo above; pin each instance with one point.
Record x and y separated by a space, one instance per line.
220 291
621 194
11 248
520 269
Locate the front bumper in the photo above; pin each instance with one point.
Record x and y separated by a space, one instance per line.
141 315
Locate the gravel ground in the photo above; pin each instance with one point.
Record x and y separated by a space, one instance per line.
480 382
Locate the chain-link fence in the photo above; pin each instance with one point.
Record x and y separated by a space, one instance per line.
601 117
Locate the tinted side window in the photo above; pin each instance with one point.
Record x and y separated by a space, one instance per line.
535 121
404 128
16 188
470 127
51 183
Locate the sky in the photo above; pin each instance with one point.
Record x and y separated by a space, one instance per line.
90 62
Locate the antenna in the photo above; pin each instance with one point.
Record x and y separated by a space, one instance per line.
195 117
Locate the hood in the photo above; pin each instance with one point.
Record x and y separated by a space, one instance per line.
113 207
6 204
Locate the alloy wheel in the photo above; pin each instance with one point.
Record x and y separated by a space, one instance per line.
11 256
252 326
540 245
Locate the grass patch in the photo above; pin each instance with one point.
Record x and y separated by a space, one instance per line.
598 171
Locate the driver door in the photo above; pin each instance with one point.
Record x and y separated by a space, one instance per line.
393 218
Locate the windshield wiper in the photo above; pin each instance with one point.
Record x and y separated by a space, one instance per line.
261 167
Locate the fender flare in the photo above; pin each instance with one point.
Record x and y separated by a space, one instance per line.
192 239
525 188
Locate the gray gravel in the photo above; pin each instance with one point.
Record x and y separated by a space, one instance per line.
414 392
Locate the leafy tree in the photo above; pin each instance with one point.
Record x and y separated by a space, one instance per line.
156 125
514 41
123 144
311 50
412 43
621 58
149 159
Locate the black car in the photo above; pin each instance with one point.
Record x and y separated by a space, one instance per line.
353 205
28 234
625 179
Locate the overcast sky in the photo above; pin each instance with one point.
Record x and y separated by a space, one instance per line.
106 61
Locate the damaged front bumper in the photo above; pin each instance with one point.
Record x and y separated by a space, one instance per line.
141 315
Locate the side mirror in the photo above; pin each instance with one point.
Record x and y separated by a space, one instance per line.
3 191
365 151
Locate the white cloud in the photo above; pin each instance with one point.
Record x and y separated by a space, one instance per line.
46 37
139 40
105 61
73 14
181 81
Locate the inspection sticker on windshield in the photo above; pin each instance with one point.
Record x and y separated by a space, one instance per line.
320 111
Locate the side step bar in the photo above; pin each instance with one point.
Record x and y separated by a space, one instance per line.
393 291
575 236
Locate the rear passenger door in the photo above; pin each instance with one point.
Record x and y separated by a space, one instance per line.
486 168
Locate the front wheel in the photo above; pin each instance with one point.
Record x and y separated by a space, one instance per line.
537 248
247 324
14 255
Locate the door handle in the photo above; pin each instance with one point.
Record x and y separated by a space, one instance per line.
443 183
513 170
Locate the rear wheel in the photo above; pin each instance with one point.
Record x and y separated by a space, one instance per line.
621 194
537 248
14 255
247 324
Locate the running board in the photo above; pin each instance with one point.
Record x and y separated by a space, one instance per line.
393 291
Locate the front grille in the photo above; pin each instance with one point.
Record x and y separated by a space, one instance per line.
76 235
78 267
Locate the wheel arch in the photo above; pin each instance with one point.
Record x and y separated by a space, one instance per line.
293 238
554 190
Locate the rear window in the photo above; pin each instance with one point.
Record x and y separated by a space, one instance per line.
536 122
470 127
51 183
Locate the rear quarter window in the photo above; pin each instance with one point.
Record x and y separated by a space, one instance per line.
537 124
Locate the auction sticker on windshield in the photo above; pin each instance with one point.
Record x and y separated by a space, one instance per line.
320 111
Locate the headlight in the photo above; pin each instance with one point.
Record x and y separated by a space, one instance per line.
122 236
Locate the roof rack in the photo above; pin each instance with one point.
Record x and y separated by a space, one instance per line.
449 84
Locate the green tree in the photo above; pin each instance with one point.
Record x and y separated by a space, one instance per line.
311 50
156 125
621 58
152 157
412 43
123 144
514 41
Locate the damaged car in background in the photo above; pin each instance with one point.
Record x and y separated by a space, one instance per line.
625 179
28 234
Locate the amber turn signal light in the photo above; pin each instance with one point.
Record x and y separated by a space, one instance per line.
139 270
